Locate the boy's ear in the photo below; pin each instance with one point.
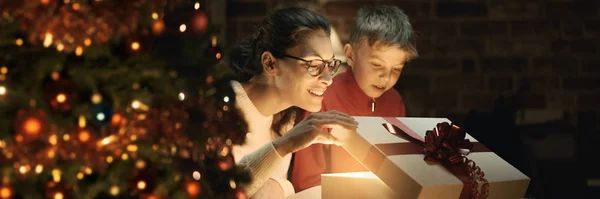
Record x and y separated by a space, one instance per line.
349 53
269 63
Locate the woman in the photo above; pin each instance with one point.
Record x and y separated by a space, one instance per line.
288 63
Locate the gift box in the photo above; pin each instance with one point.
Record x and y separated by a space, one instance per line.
355 185
428 158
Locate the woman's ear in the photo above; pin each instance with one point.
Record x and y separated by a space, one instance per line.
349 53
269 63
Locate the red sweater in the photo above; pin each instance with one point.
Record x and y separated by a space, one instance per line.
343 95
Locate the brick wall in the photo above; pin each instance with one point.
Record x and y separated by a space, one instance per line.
473 52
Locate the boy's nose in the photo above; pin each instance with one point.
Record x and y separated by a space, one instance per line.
326 78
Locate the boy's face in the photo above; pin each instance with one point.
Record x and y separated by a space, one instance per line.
376 69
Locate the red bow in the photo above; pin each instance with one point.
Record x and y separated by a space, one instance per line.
446 143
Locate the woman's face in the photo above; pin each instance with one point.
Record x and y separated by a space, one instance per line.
295 84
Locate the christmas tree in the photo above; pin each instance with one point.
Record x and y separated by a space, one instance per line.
95 102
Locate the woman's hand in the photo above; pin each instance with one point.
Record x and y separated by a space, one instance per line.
310 130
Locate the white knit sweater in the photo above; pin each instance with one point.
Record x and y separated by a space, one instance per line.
258 153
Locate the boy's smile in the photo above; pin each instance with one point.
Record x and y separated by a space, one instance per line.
376 68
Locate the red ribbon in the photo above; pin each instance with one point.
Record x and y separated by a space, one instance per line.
445 144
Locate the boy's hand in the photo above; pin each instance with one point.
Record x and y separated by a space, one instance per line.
309 131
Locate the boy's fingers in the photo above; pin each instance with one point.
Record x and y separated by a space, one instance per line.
331 123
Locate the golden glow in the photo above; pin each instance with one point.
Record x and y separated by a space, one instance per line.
60 47
87 170
140 164
124 156
96 98
23 169
155 16
39 168
87 42
79 175
48 39
109 159
132 148
84 136
114 190
182 28
5 193
2 90
135 45
135 104
53 139
78 51
141 185
19 42
81 121
3 70
61 98
58 195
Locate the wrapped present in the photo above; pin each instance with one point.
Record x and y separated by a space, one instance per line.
354 185
430 158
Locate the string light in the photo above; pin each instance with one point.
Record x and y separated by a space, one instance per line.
80 176
114 190
100 116
60 47
4 70
181 96
58 195
2 90
96 98
226 99
109 159
232 184
78 51
135 45
141 185
23 169
87 170
196 175
61 98
48 39
155 16
82 122
135 104
87 42
182 28
197 5
53 139
39 168
19 42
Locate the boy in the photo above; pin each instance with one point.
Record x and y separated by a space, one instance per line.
380 44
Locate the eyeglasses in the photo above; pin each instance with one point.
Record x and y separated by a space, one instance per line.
315 67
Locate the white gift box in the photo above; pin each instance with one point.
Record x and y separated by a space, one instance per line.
398 163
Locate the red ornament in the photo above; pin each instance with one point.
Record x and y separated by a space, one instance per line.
30 125
200 22
192 188
158 26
